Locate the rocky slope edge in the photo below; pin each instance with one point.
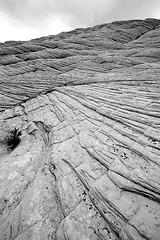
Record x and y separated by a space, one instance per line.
80 134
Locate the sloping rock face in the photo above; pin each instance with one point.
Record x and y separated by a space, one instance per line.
80 134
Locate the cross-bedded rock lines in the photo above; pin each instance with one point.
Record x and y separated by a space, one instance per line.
86 105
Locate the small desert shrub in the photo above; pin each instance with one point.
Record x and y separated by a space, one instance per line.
13 139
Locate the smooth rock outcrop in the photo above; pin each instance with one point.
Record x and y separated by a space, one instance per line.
80 134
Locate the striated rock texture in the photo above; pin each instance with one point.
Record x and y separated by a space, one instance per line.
80 134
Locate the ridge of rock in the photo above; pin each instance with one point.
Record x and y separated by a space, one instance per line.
80 134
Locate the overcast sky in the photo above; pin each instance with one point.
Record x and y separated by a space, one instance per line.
27 19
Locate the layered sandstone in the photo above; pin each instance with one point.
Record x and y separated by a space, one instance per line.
80 134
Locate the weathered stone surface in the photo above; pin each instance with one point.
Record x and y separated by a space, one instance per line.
80 134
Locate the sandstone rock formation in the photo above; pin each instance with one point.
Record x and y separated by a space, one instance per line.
80 134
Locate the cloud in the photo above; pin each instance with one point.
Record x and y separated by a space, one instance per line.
85 12
48 15
128 9
13 30
81 12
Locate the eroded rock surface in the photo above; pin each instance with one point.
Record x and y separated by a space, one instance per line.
80 134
